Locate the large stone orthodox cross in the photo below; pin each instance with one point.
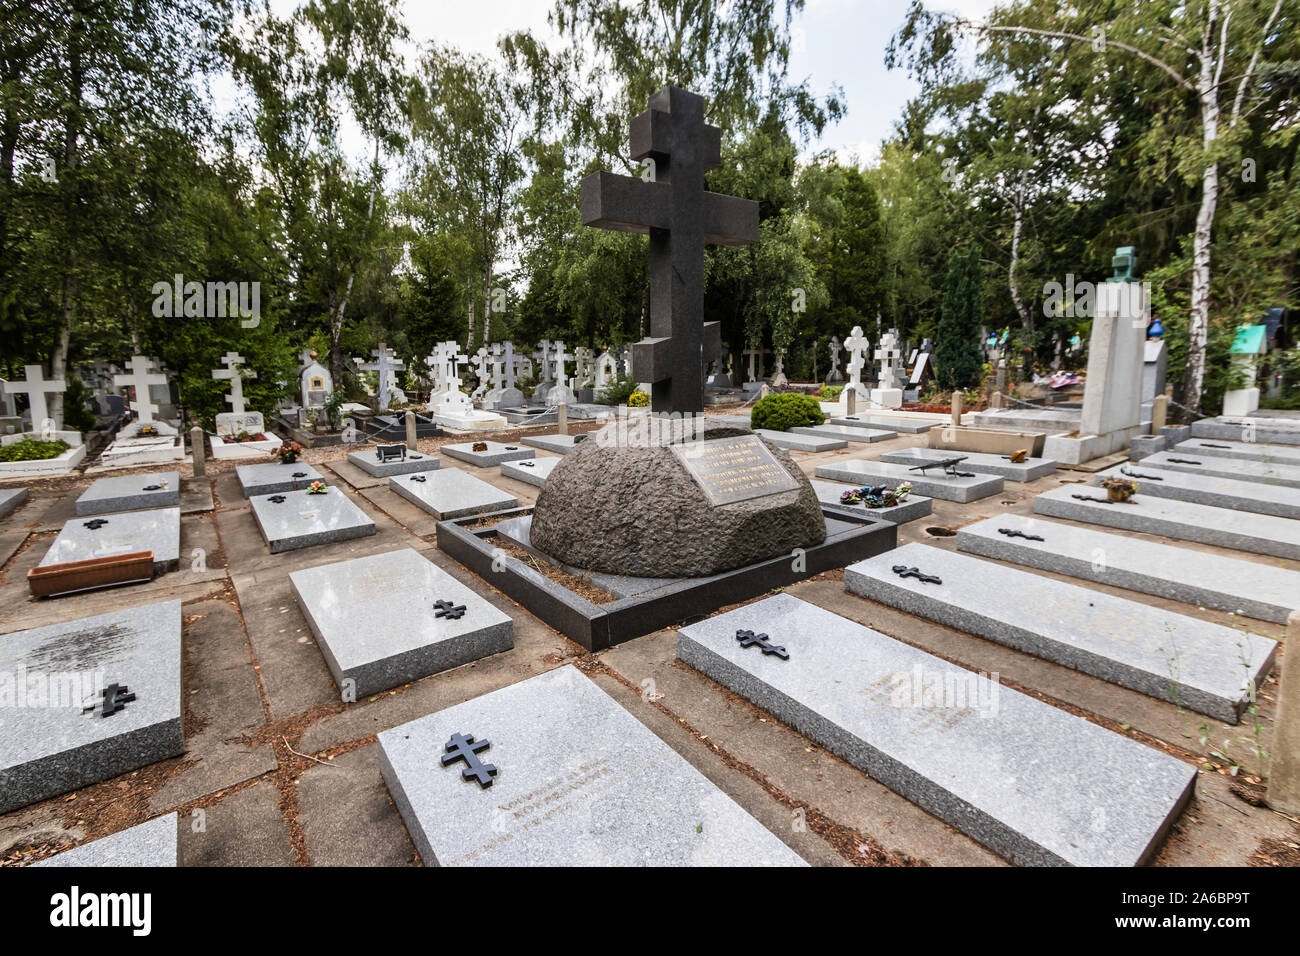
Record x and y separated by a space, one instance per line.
680 216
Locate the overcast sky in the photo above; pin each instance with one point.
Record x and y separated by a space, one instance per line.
837 41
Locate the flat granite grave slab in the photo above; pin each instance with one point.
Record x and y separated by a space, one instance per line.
152 843
272 477
845 432
1031 469
1205 667
387 619
158 531
909 426
494 454
130 493
452 493
1195 577
1184 520
1244 450
414 462
578 782
300 519
534 471
49 742
1238 469
934 485
1034 784
560 444
791 442
915 506
11 499
1270 430
1207 490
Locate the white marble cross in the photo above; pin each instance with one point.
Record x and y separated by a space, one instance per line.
857 344
509 364
835 356
36 388
542 355
482 372
446 361
236 396
386 364
559 358
888 353
140 378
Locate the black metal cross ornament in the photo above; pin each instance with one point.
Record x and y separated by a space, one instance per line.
277 499
465 747
1017 533
903 571
1185 461
680 216
750 639
113 698
526 464
94 524
450 610
419 478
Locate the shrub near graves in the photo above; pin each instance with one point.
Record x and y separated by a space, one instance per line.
783 412
31 449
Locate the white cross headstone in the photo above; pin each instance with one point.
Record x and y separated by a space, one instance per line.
387 365
778 373
140 378
36 387
509 364
559 358
834 376
481 371
236 397
888 353
857 344
543 356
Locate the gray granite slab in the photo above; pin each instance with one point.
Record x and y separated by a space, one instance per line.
378 625
1035 784
268 478
131 492
579 782
845 432
1277 500
530 416
808 443
1031 469
1244 450
915 506
153 843
1207 580
303 520
1238 469
909 426
48 744
451 493
11 499
1204 667
83 538
560 444
1184 520
495 454
534 471
934 485
414 462
1270 430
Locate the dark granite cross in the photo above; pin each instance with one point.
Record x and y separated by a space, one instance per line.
465 747
680 217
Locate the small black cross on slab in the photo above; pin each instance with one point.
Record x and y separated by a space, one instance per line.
465 747
1017 533
1185 461
114 697
1104 501
449 610
95 523
300 474
526 464
1138 474
1206 444
903 571
152 488
419 478
277 499
750 639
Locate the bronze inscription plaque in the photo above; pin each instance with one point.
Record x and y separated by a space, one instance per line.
734 469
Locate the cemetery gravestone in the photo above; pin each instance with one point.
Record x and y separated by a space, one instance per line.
680 217
493 452
271 477
60 739
558 794
127 532
440 623
292 520
451 493
381 464
130 493
1035 784
934 484
534 472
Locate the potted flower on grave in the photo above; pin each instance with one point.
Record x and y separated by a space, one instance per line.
880 496
289 452
317 488
1120 489
243 437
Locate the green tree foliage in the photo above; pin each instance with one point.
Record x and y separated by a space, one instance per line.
957 356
